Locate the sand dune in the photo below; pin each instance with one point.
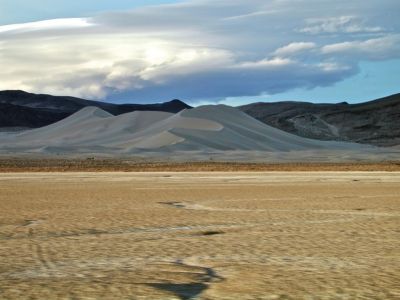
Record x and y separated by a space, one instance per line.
205 129
242 132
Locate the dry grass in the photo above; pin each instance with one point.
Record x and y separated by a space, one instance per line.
205 235
131 165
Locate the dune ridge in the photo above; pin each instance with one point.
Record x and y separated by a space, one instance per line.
201 130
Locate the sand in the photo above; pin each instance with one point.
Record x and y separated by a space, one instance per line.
270 235
199 134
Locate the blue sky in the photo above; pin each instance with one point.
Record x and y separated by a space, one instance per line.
375 80
20 11
202 51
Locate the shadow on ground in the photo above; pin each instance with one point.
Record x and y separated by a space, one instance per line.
184 291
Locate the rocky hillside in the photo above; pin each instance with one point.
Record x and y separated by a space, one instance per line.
375 122
16 116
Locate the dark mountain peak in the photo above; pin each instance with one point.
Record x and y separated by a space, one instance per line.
35 110
14 93
177 103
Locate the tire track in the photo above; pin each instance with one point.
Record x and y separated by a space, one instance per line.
40 255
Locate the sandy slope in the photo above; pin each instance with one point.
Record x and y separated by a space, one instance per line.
214 236
193 134
242 132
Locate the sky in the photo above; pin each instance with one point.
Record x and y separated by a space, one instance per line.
202 51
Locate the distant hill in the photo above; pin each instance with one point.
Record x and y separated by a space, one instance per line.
375 122
22 109
20 116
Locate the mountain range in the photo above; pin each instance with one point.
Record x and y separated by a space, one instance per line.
374 122
27 110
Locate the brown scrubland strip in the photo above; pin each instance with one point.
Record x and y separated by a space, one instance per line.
121 165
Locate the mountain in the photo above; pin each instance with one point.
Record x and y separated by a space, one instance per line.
20 116
22 109
204 129
374 122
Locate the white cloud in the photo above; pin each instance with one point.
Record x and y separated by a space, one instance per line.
55 24
386 47
196 49
275 62
251 15
341 24
333 67
294 48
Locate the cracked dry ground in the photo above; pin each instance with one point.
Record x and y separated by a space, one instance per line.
200 235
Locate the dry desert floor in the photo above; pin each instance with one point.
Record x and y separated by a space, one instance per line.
206 235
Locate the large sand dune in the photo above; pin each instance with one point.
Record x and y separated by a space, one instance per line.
202 129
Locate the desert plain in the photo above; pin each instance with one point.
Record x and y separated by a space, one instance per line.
200 235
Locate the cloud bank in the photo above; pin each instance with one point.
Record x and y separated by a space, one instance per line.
200 49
